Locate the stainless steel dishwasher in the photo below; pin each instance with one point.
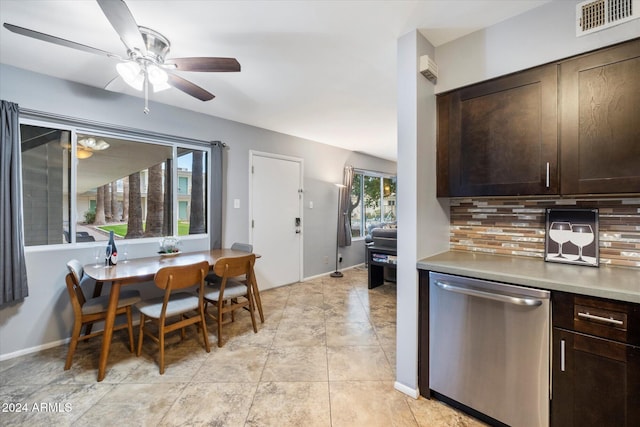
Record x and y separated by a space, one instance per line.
489 348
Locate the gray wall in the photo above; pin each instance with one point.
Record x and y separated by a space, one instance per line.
44 318
540 36
543 35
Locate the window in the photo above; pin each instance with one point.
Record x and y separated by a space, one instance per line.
120 185
373 202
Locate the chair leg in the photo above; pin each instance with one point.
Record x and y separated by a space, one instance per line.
256 295
75 334
87 328
141 334
130 328
251 309
205 334
161 344
220 305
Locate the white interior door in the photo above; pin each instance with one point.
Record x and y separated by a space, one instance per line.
276 218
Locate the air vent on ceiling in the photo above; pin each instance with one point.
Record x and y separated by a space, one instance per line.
596 15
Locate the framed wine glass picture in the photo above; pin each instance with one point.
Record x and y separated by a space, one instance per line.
572 236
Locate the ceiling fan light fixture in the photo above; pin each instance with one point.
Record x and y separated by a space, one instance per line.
93 144
131 73
82 153
157 76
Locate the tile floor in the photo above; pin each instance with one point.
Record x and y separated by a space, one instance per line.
325 356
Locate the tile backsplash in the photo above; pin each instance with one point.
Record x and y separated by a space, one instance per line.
516 227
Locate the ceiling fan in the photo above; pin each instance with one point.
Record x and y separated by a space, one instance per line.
146 63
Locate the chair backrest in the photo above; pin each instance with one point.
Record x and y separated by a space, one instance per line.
75 268
75 294
234 266
244 247
181 276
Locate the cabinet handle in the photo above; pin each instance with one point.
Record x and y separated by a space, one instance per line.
610 320
548 175
562 355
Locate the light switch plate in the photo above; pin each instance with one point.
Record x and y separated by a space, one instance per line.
236 203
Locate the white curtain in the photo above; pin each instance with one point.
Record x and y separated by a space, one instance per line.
13 269
344 220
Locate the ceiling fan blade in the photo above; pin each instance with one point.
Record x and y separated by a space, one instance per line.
189 88
57 40
205 64
123 22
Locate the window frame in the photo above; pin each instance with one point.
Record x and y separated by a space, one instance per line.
374 174
77 126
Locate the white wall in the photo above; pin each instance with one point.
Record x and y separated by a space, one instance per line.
423 219
44 318
540 36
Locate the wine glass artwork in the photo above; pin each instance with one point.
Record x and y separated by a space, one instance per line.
581 236
572 236
560 232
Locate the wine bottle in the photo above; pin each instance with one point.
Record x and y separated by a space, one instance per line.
113 259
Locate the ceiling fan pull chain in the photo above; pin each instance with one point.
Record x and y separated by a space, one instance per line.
146 91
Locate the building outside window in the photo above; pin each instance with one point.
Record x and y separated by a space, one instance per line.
118 184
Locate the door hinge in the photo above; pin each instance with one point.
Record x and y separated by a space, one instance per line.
253 170
252 224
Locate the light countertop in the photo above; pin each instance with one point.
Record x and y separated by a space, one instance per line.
616 283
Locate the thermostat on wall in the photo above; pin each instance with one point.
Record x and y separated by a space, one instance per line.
428 68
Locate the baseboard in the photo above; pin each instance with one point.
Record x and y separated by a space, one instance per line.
35 349
406 390
135 323
329 272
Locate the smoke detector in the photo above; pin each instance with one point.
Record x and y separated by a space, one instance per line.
428 68
596 15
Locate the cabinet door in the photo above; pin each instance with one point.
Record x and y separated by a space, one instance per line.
595 382
600 121
500 136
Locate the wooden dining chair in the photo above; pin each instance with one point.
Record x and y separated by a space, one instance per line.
187 306
75 267
233 291
87 311
212 279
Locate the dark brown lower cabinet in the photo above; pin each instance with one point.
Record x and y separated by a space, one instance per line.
595 381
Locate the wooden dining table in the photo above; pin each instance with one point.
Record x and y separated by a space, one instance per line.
143 270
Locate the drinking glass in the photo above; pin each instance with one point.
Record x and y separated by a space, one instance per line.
581 236
107 255
560 232
98 252
123 254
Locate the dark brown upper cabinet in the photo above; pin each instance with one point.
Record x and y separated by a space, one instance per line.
600 121
500 137
571 128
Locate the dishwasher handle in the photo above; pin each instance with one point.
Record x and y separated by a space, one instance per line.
510 299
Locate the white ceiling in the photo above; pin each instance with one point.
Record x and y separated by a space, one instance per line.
322 70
